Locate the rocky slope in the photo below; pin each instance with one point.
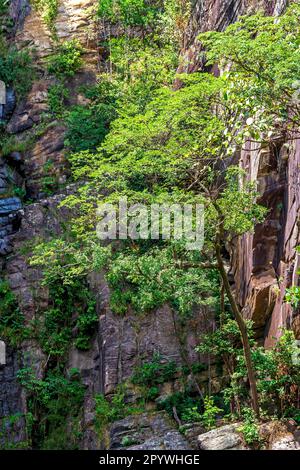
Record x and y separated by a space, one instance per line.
263 264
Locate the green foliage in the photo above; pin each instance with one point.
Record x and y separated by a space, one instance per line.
70 318
188 408
263 54
292 296
129 12
107 411
67 59
147 278
48 10
16 70
12 327
54 402
57 95
277 371
128 441
87 126
5 21
211 411
250 428
155 372
9 428
11 144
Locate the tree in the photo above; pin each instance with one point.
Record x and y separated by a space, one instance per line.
179 146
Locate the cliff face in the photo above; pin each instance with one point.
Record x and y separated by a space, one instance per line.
263 264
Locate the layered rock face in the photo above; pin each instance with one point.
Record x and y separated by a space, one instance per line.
216 15
119 343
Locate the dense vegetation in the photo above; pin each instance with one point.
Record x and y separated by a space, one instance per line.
141 138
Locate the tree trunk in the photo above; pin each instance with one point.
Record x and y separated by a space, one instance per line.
243 330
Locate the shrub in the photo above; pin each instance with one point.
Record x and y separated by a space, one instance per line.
249 428
108 411
48 10
87 127
71 315
129 12
292 296
188 408
5 20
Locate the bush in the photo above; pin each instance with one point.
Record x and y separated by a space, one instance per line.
210 412
155 372
12 326
67 60
5 20
108 411
57 94
129 12
54 402
16 70
71 315
188 408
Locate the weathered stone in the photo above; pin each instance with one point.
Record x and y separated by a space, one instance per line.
9 205
74 20
287 442
265 263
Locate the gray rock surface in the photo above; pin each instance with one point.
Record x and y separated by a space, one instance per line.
147 432
11 402
287 442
